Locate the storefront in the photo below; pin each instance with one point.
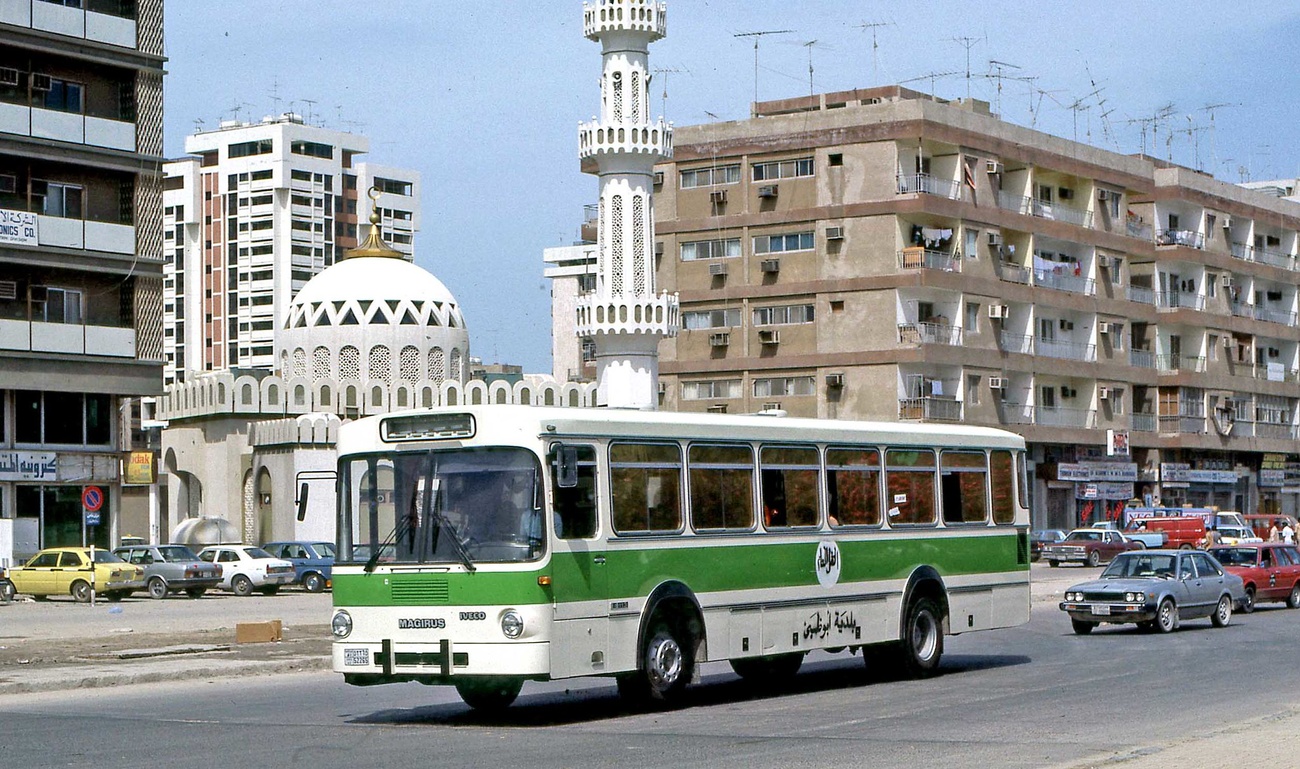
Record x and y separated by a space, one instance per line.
1101 488
1215 485
49 492
1278 482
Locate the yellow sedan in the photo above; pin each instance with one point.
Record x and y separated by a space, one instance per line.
67 571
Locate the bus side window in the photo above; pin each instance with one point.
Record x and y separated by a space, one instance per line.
791 486
1004 506
575 507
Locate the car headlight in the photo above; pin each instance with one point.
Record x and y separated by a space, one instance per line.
512 624
341 625
1135 597
1073 597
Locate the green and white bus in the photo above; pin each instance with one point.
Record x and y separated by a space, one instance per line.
486 546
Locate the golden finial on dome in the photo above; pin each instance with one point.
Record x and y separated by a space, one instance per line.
374 245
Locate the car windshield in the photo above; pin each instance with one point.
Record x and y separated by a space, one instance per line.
1142 565
1235 556
1083 536
104 556
257 552
175 553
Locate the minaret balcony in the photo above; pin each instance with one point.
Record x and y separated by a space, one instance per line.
645 16
628 315
654 140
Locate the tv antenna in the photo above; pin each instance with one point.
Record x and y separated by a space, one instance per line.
1193 132
757 36
932 77
810 44
1210 108
999 77
1152 123
666 71
275 96
1078 106
872 26
967 43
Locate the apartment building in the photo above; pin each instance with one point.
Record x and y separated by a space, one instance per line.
882 254
249 217
80 264
572 272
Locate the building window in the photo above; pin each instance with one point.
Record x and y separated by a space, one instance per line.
586 283
783 315
62 95
973 389
711 389
772 387
244 149
784 169
972 317
311 149
58 199
709 177
698 319
780 244
393 186
74 419
61 305
722 248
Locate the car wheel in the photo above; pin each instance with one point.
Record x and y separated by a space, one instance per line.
1094 558
1223 612
1054 564
489 694
665 667
1248 605
1082 627
80 591
1167 616
7 591
1293 600
313 583
157 588
196 592
241 585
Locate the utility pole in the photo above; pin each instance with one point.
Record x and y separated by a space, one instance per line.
756 36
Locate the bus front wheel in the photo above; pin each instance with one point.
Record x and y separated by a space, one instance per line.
489 694
664 667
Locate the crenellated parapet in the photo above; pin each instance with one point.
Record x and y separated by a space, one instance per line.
629 315
645 16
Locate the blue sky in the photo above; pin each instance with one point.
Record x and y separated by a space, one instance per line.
484 98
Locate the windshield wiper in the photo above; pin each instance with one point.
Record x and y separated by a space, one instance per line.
432 505
373 561
456 544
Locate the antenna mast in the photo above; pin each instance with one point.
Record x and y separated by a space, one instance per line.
666 71
875 47
968 43
999 65
756 36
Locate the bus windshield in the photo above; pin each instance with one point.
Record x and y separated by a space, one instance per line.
441 507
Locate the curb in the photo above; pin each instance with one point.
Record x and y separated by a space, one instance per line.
125 673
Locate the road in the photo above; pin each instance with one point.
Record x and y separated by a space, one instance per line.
1025 697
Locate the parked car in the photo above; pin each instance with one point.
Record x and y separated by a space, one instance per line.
313 562
245 568
1040 537
1184 531
171 569
1152 538
1270 571
1156 589
69 571
1231 534
7 591
1263 524
1090 546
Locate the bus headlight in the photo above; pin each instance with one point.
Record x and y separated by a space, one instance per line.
512 624
341 625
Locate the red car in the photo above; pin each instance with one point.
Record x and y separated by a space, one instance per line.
1088 546
1270 571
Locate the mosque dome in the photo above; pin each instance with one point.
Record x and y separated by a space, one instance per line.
374 317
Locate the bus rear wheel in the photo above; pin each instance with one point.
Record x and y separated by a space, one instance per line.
921 648
664 667
489 694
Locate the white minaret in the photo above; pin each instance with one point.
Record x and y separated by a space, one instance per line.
623 316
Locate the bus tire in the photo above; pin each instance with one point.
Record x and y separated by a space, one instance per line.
775 669
663 667
921 648
489 694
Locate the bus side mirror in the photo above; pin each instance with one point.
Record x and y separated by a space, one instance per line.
566 467
302 503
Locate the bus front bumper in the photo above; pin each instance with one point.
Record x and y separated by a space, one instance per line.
389 662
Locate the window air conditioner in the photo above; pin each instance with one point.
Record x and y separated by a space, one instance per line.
1103 393
1103 195
1103 262
767 191
718 197
8 289
720 339
659 248
835 380
40 82
1227 222
834 233
1066 325
995 238
8 76
992 166
1228 342
997 383
998 311
659 178
769 337
1227 281
1103 327
770 265
718 268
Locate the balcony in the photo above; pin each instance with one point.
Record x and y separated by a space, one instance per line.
1014 273
86 234
1243 251
918 257
1275 258
1064 281
1174 424
72 127
69 338
1054 416
1140 294
1284 317
1020 343
930 409
1276 431
1173 364
1185 238
1138 229
1144 423
1015 413
1027 206
71 22
1179 300
1276 372
1142 358
1079 351
929 333
1242 309
928 185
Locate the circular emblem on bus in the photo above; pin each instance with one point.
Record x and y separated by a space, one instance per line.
828 563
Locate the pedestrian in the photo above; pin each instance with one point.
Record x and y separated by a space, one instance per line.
1288 534
1274 533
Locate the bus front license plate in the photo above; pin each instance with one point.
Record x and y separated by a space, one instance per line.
356 656
1103 610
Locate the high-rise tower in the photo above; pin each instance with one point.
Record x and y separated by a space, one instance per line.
624 316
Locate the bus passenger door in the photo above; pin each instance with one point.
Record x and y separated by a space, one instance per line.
579 582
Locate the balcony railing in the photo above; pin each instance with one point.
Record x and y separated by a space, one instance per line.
1021 343
75 338
930 409
929 333
917 257
1278 374
1182 424
1275 258
1019 203
1055 348
1284 317
1144 423
1014 273
1180 238
1166 364
104 25
1276 431
67 126
1242 309
1177 300
1064 281
1015 413
1142 358
1028 206
1243 251
1140 294
929 185
1055 416
1140 230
